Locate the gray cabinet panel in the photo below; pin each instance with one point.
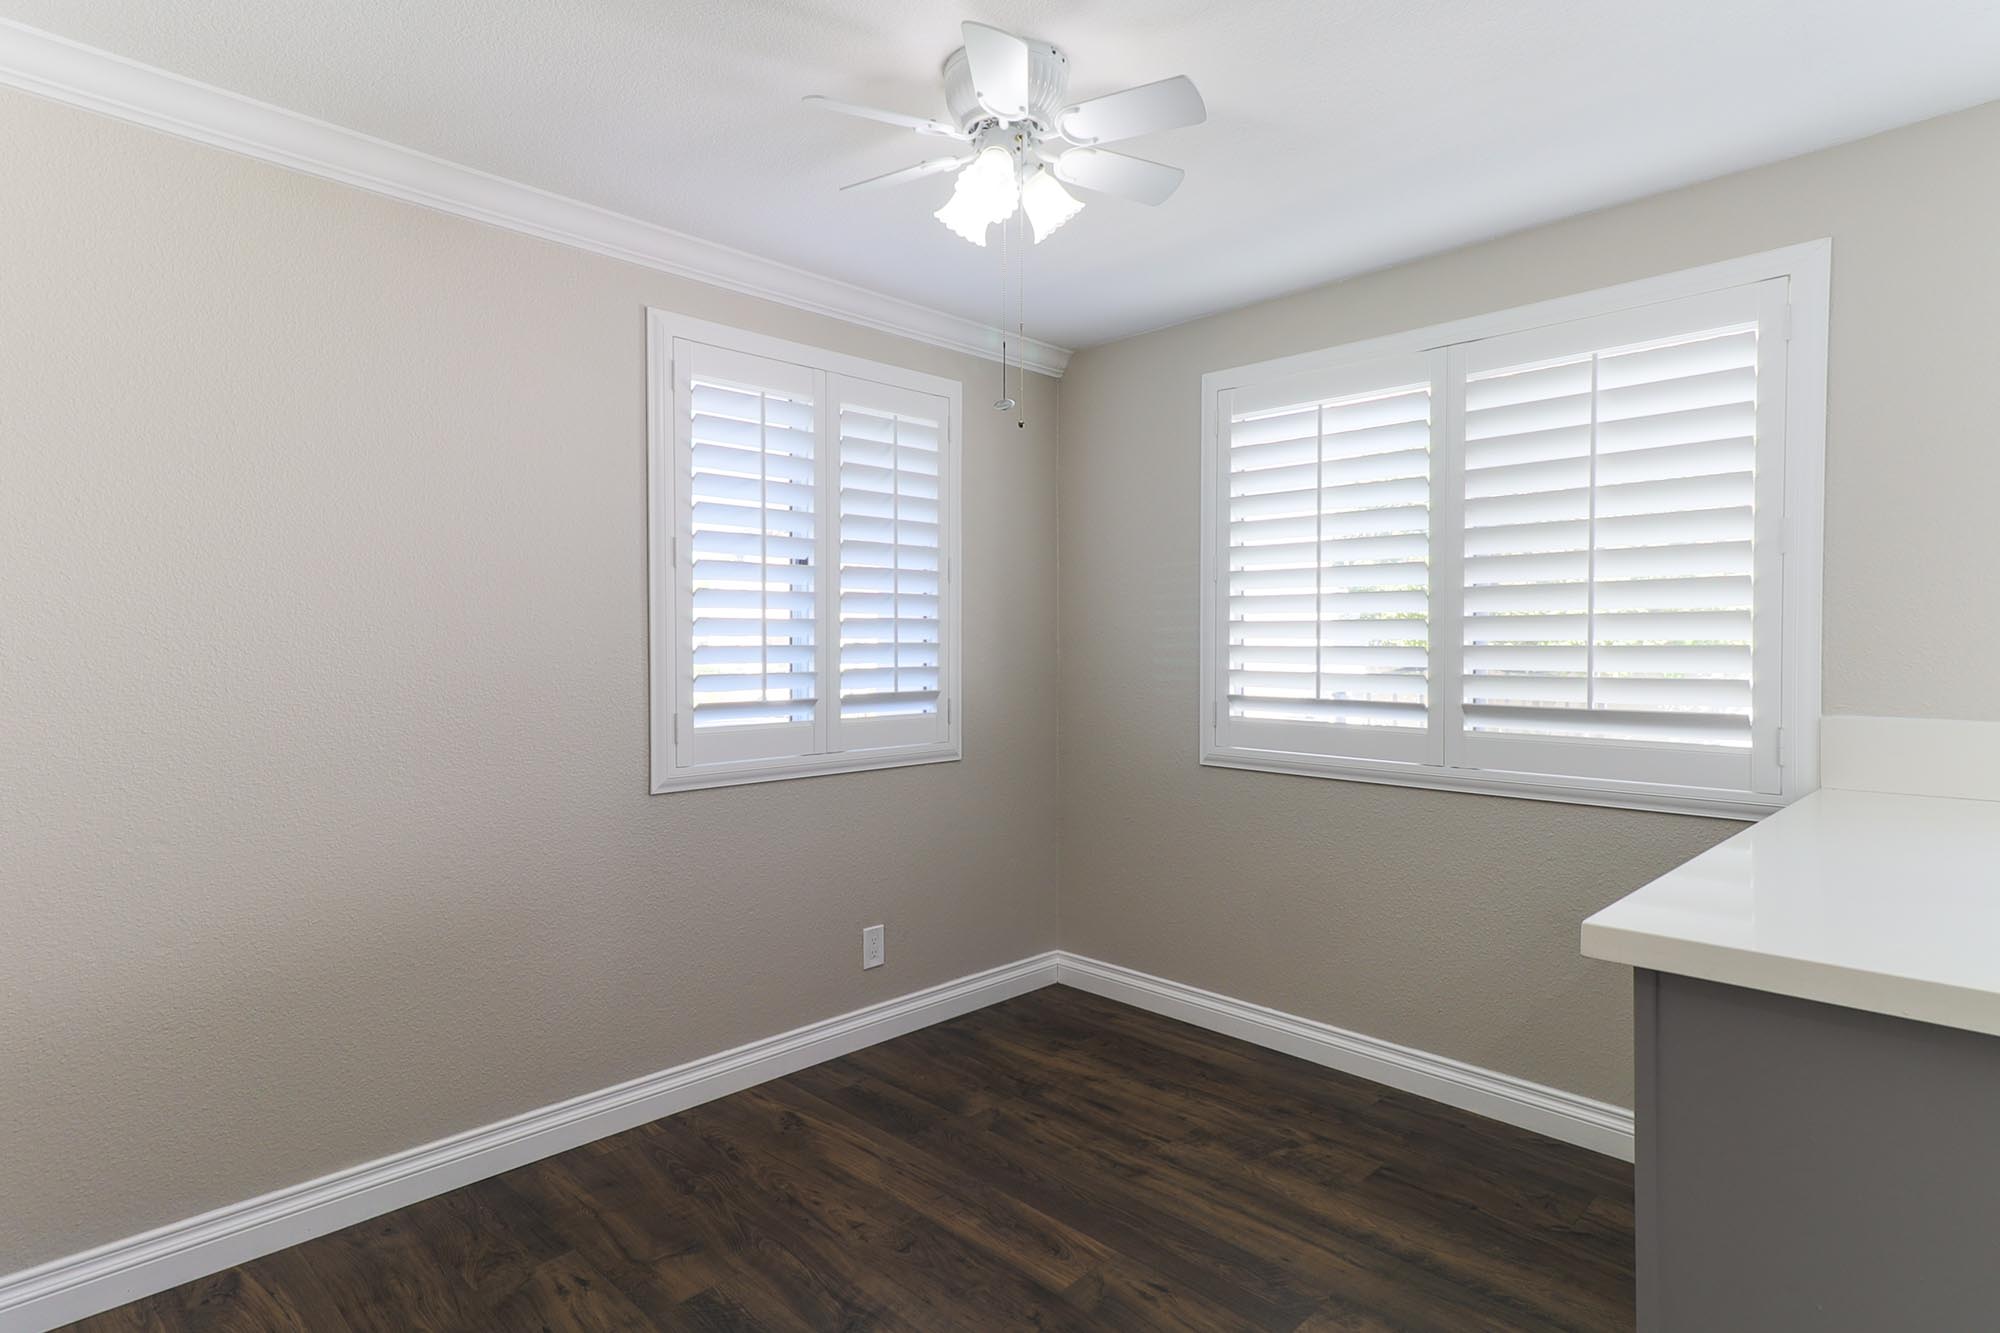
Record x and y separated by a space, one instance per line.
1803 1166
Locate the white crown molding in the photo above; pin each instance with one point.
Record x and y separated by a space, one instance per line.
63 1290
81 1285
1584 1121
84 76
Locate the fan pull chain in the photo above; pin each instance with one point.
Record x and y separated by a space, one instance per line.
1003 402
1021 325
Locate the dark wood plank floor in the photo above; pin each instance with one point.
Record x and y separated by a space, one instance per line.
1055 1162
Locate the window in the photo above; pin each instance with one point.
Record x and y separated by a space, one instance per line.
803 521
1569 551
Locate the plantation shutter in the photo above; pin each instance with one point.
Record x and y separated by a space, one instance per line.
892 591
748 449
1621 481
803 512
1324 583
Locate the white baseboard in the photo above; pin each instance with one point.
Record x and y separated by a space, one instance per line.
55 1293
1588 1123
84 1284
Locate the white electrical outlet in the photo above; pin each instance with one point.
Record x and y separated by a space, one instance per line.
874 950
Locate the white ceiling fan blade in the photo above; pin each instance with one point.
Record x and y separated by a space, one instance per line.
998 62
1166 105
928 167
917 123
1107 172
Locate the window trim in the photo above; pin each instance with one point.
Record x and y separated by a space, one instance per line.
1808 267
666 498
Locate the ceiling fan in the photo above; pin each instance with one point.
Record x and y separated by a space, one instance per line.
1023 140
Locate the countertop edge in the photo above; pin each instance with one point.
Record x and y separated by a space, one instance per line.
1940 1003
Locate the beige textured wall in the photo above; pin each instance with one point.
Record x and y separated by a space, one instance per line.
323 815
1445 921
324 825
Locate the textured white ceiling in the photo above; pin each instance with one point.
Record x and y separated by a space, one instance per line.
1341 136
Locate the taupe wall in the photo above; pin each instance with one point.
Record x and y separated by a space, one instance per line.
1449 922
324 825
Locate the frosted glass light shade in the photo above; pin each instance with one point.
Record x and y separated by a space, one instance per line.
1047 203
986 192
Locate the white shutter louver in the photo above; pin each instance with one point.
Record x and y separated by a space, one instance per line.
890 596
891 643
1610 566
752 484
1325 580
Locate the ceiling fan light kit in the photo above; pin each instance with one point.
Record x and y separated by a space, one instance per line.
1007 98
1008 101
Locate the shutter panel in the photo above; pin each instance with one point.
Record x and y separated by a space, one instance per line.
751 570
1324 585
893 595
1611 567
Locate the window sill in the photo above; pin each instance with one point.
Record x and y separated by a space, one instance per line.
1622 796
737 775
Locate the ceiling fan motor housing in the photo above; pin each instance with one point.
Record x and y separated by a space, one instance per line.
1048 88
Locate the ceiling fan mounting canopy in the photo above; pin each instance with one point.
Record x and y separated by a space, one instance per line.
1047 85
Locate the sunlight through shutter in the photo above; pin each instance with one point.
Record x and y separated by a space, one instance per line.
753 576
749 464
1326 579
892 594
1611 572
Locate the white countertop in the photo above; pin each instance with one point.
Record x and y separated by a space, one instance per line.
1889 903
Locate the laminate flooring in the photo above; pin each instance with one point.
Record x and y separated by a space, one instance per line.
1057 1161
